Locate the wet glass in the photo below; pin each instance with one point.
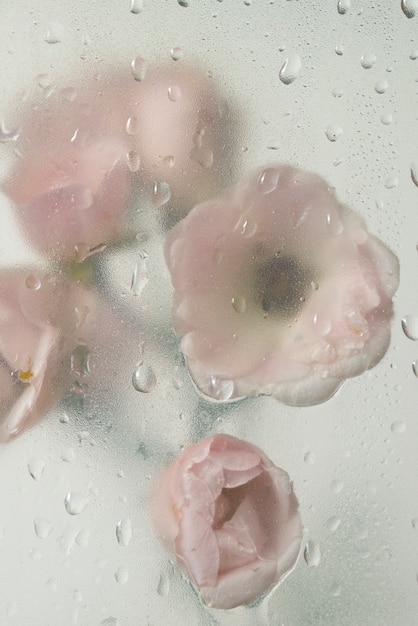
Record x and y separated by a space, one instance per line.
328 87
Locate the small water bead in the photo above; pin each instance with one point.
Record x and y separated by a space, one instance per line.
309 458
36 468
75 502
43 528
322 324
139 68
174 93
144 379
268 180
204 156
169 161
183 3
339 50
381 86
409 7
33 282
337 92
122 575
8 135
136 6
415 368
54 33
239 304
410 326
333 523
336 486
312 554
132 125
163 588
343 6
414 173
391 182
81 313
290 69
398 427
333 132
368 60
69 455
82 538
386 118
124 532
160 193
414 55
133 160
176 53
80 361
218 388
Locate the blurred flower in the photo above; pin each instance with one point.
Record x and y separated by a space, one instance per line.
231 518
70 185
279 289
39 317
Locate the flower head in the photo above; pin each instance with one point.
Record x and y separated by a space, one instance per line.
279 289
231 518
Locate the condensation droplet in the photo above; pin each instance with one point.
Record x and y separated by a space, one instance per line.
203 155
168 161
386 118
43 528
410 326
80 361
82 538
110 621
398 427
54 33
133 160
122 575
339 50
163 588
381 86
368 60
415 367
183 3
239 304
333 132
414 55
81 313
124 532
75 502
337 486
68 455
218 388
33 282
8 135
333 523
136 6
414 173
391 182
309 458
312 554
139 68
140 275
174 93
132 125
322 324
409 7
290 69
36 468
268 180
160 193
176 53
343 6
144 378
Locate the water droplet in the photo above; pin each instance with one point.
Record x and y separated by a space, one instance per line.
203 155
160 193
386 118
290 69
391 182
174 93
218 388
398 427
54 33
322 324
43 528
239 303
312 554
75 502
337 92
343 6
8 135
33 282
368 60
414 173
309 458
414 55
82 538
415 368
83 251
337 486
122 575
183 3
140 275
124 532
144 379
132 125
110 621
36 468
268 180
410 326
381 86
136 6
81 313
139 68
69 455
333 132
409 7
339 50
133 160
163 588
168 161
334 223
333 523
80 361
176 54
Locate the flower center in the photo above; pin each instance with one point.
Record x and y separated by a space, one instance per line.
281 286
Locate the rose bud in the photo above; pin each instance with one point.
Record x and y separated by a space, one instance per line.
231 519
279 289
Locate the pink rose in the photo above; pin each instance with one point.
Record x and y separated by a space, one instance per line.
71 184
230 517
279 289
39 314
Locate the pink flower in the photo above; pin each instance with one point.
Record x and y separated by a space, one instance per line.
279 289
38 319
231 518
71 184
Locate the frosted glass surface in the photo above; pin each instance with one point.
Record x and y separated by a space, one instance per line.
349 113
